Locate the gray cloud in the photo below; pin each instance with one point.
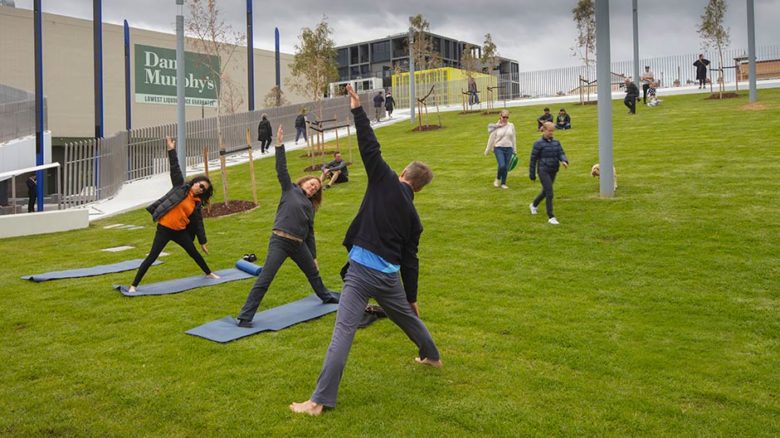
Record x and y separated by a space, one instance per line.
538 34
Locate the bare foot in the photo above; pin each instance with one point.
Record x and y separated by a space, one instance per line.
213 276
432 363
131 290
307 407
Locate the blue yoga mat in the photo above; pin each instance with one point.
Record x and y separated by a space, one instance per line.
249 267
225 330
88 272
182 284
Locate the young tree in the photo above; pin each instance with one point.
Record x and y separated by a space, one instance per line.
275 97
422 47
211 36
714 34
489 54
585 18
469 61
314 65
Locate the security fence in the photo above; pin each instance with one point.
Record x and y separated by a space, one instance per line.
96 169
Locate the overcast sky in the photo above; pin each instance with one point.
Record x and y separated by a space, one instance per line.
539 35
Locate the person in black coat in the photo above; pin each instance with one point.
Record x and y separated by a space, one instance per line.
546 157
632 95
382 242
178 217
264 133
701 70
546 117
389 105
32 192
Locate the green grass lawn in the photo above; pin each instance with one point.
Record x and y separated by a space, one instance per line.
653 313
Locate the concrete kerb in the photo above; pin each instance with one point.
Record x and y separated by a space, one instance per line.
140 193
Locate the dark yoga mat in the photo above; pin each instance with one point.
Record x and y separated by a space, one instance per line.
88 272
225 329
182 284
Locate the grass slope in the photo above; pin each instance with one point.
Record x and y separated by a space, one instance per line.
653 313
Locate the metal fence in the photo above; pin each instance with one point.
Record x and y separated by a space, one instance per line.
669 71
17 113
96 169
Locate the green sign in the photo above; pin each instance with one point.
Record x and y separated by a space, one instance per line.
155 77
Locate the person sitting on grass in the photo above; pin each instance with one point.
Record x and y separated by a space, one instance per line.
652 99
335 172
546 117
292 236
563 121
382 243
178 217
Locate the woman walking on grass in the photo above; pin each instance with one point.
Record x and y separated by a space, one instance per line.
293 236
178 217
502 143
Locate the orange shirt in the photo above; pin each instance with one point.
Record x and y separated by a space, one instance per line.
178 217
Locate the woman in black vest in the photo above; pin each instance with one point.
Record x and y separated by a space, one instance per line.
178 217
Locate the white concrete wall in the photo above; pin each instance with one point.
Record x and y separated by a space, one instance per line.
27 224
20 153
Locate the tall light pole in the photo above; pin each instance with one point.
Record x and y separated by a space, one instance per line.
412 95
181 134
604 77
751 19
636 41
250 57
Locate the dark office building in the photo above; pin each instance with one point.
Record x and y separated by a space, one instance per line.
378 58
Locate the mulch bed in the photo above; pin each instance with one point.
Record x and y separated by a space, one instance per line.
725 95
221 209
426 128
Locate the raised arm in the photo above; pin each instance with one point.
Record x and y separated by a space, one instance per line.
376 167
177 178
281 161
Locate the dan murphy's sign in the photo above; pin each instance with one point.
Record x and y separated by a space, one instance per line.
155 77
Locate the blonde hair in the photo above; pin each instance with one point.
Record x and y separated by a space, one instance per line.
418 174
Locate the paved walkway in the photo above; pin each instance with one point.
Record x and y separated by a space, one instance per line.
141 193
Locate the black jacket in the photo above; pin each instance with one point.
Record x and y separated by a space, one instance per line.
701 68
295 213
389 103
264 130
32 188
174 196
546 154
387 223
632 90
300 121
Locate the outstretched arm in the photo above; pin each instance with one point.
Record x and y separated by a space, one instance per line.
376 167
177 178
281 161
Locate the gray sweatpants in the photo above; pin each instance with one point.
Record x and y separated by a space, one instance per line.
360 284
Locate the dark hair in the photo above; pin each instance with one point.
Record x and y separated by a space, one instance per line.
316 198
547 109
265 116
208 193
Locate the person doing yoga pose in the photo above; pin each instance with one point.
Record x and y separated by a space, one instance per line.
178 217
292 236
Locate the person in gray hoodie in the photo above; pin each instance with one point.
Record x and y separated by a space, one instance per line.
502 142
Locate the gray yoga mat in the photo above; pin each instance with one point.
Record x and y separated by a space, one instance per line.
182 284
274 319
88 272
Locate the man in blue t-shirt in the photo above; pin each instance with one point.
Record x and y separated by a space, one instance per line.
382 243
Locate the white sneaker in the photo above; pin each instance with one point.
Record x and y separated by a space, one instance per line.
496 183
553 221
504 186
534 210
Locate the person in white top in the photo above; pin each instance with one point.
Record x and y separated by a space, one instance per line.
502 143
648 77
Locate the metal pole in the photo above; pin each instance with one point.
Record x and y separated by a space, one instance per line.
181 134
97 36
751 19
250 58
128 109
604 77
636 42
40 120
278 70
412 95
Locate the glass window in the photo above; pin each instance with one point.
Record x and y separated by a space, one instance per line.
380 51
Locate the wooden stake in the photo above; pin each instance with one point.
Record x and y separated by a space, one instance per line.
251 166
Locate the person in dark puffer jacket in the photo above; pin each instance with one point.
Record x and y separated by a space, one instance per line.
546 157
264 134
292 237
178 217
